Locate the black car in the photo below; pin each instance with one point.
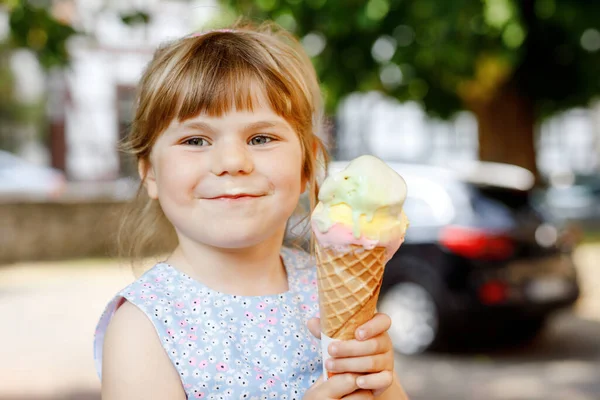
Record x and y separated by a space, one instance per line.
479 261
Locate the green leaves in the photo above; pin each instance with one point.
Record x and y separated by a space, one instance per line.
35 28
445 54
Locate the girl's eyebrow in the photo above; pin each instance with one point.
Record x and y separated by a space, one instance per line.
198 126
202 126
261 125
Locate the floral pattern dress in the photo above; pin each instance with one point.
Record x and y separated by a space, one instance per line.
226 346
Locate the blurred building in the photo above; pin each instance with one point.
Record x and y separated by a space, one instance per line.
90 104
375 124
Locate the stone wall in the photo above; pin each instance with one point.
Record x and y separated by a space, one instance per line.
82 222
41 230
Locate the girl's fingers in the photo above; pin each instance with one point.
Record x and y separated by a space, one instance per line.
378 381
354 348
374 363
379 324
360 395
314 326
338 386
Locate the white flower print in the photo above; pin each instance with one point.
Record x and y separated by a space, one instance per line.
219 377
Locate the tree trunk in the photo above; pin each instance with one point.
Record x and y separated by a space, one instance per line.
506 129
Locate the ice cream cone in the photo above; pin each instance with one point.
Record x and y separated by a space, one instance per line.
358 224
349 283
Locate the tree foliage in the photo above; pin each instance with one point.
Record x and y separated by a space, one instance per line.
447 54
33 26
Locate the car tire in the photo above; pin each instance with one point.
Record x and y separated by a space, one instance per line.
527 330
415 314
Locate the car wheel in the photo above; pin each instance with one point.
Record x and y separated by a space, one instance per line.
415 317
526 330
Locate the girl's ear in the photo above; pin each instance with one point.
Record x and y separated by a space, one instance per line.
148 177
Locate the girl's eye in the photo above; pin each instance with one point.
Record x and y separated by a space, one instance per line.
260 139
196 141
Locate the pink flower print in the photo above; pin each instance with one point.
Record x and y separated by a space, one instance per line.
222 367
305 307
170 332
270 382
152 297
272 320
314 297
182 323
179 304
313 282
259 377
273 310
202 364
196 302
261 325
192 336
193 328
143 297
248 314
199 395
261 306
192 361
158 279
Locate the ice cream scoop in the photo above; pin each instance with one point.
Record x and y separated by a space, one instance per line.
362 205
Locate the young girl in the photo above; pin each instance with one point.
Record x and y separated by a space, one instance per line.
225 137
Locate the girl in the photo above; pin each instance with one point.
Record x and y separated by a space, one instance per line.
225 137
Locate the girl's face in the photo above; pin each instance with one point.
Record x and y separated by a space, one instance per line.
227 182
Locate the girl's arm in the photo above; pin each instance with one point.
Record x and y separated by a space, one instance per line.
134 364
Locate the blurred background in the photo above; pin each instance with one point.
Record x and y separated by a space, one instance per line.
489 108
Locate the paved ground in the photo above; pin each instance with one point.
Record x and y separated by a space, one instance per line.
49 311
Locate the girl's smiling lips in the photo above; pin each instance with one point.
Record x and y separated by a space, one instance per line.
238 196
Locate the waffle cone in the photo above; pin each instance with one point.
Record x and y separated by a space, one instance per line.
349 283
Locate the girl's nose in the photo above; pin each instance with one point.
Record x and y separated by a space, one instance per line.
232 159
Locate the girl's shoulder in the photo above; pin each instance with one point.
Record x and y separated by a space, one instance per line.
156 285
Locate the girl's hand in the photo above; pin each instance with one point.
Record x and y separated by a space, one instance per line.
371 354
341 386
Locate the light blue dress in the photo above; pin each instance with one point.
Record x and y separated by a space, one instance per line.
226 346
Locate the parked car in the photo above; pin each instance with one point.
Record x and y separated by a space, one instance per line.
21 178
479 261
572 198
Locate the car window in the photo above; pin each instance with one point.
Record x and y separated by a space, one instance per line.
419 212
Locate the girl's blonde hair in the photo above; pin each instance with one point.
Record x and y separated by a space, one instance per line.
209 73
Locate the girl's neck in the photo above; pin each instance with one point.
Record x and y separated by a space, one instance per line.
253 271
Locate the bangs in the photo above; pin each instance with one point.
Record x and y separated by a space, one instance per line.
222 75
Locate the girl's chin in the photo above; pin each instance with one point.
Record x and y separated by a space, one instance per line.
235 241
